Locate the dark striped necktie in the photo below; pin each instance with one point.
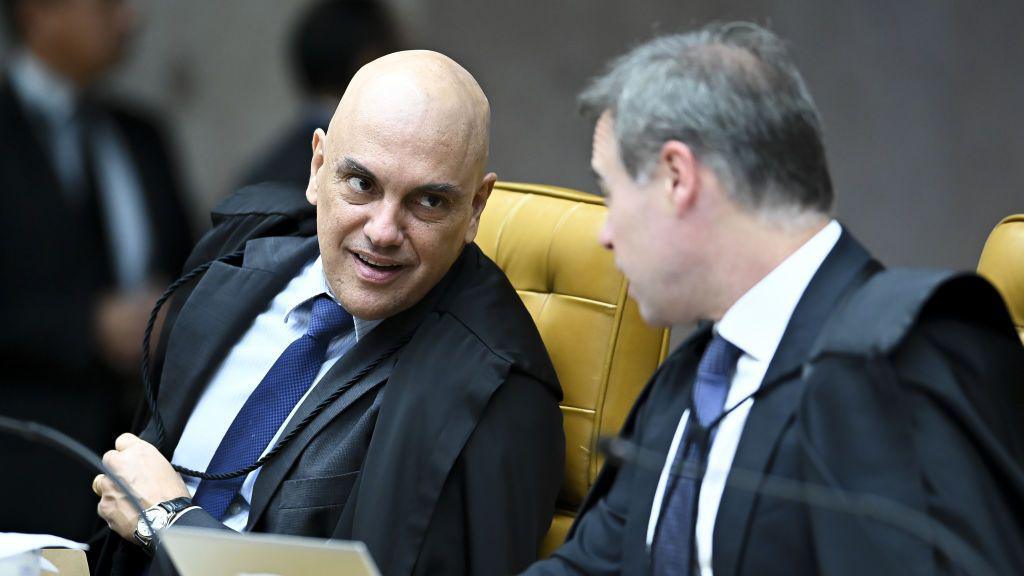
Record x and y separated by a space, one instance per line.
673 540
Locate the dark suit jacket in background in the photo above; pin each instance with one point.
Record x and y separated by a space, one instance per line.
445 459
953 472
287 159
52 273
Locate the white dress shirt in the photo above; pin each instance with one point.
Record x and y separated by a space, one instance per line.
284 321
755 324
52 99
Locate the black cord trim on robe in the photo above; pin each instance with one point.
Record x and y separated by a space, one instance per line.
832 497
147 385
283 442
885 510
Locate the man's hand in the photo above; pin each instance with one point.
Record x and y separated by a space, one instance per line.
146 473
120 322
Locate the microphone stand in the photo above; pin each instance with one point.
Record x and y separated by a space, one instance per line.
620 451
39 434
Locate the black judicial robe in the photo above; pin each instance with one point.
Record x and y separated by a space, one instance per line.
941 435
463 465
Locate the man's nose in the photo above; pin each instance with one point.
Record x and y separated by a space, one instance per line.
384 228
604 237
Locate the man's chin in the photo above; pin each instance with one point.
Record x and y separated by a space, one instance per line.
369 312
369 305
654 320
654 315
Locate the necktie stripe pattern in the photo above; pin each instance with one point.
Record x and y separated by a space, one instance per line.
270 403
672 547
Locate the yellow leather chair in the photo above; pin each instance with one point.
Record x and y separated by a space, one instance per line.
1002 263
545 239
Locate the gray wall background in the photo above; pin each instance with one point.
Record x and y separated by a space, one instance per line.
921 98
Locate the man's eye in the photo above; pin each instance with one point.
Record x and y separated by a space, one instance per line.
359 183
430 201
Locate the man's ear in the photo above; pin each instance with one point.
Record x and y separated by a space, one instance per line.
480 196
315 164
682 176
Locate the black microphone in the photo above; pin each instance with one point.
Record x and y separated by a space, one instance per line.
619 451
39 434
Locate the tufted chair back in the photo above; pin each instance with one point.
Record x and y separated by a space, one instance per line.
545 239
1002 263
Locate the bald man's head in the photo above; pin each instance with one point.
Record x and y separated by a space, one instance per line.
399 180
421 98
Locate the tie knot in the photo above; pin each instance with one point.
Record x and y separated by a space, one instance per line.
328 318
719 357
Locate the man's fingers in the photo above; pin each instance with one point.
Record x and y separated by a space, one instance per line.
125 440
103 486
108 458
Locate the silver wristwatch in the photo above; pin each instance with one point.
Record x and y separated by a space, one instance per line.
159 516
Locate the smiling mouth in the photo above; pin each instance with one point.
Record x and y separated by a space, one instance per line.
374 270
376 264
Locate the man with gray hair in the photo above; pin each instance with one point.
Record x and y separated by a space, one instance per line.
737 458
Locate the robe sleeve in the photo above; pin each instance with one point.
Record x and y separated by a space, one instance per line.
500 497
939 435
594 546
199 518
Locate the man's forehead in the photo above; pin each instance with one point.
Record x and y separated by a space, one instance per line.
389 98
396 98
391 169
415 128
416 108
400 156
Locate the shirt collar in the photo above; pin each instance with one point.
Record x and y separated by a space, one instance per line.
312 283
756 322
41 88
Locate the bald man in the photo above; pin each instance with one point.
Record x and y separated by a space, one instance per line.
434 432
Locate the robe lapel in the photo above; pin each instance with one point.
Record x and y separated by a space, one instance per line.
383 339
845 267
393 332
223 305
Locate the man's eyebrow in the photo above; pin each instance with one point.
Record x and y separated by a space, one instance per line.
442 188
351 166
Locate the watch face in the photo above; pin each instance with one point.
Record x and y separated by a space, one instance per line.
157 516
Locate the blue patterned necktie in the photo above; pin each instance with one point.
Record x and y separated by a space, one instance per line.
672 547
270 403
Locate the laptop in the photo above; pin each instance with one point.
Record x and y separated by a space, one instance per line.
204 552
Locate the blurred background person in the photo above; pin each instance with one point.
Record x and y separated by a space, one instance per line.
92 228
330 42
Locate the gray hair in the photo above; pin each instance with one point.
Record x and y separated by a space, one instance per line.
731 93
